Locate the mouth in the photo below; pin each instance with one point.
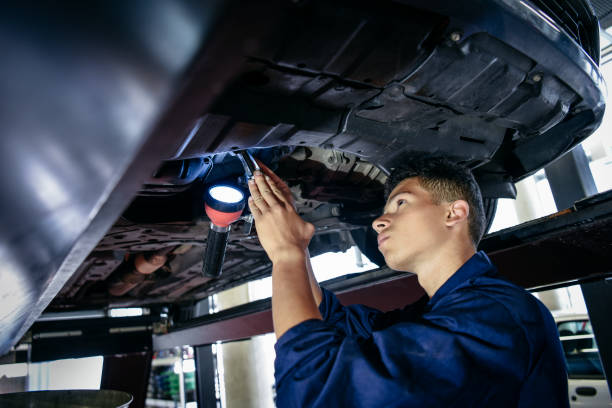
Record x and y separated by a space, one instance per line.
381 239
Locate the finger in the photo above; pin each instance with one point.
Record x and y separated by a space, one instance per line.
277 192
256 196
254 209
282 186
265 190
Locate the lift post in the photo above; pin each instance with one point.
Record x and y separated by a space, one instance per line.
570 179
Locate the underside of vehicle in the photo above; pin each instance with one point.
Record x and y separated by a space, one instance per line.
332 96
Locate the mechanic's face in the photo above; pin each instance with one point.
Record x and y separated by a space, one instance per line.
411 226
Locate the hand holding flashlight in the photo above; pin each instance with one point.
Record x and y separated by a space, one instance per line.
224 204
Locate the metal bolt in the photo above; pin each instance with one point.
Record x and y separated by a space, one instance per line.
455 36
537 78
396 90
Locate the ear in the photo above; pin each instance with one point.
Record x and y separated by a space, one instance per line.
458 211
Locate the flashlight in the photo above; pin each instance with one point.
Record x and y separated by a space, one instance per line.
223 204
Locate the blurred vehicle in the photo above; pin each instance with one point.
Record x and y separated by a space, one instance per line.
587 384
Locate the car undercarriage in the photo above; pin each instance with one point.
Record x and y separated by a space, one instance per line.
331 96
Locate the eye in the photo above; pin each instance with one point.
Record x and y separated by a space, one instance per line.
400 201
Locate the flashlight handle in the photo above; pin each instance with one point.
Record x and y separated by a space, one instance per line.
215 251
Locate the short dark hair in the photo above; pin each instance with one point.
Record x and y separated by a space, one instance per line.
446 181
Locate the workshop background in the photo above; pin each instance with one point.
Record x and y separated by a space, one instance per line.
243 370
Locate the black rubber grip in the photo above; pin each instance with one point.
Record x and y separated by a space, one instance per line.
215 253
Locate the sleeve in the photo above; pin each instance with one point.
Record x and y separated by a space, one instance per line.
472 351
353 320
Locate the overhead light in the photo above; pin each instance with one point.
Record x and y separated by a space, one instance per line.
126 312
223 204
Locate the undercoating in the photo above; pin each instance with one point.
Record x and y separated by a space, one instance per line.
332 101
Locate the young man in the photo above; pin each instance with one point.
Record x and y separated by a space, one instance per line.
475 340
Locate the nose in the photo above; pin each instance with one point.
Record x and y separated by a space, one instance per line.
380 223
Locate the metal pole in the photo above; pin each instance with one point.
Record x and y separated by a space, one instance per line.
597 297
358 257
570 180
181 383
205 376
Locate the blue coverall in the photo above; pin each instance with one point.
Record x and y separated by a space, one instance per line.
479 341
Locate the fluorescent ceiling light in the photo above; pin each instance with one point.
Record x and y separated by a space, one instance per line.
126 312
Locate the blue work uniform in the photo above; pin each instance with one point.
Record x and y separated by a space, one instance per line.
479 341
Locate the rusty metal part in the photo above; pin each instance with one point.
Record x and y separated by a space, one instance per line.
134 271
149 264
333 176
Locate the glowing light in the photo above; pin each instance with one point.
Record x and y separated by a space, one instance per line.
226 194
126 312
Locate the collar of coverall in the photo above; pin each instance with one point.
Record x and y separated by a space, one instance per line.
479 264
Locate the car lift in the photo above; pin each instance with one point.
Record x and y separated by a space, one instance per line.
555 251
572 246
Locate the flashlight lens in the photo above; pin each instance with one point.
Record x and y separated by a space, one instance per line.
226 194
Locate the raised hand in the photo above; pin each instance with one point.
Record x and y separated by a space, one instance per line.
280 184
282 232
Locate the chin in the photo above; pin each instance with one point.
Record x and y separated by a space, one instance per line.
396 266
402 265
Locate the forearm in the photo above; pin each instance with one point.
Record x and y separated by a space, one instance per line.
293 299
285 237
314 285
